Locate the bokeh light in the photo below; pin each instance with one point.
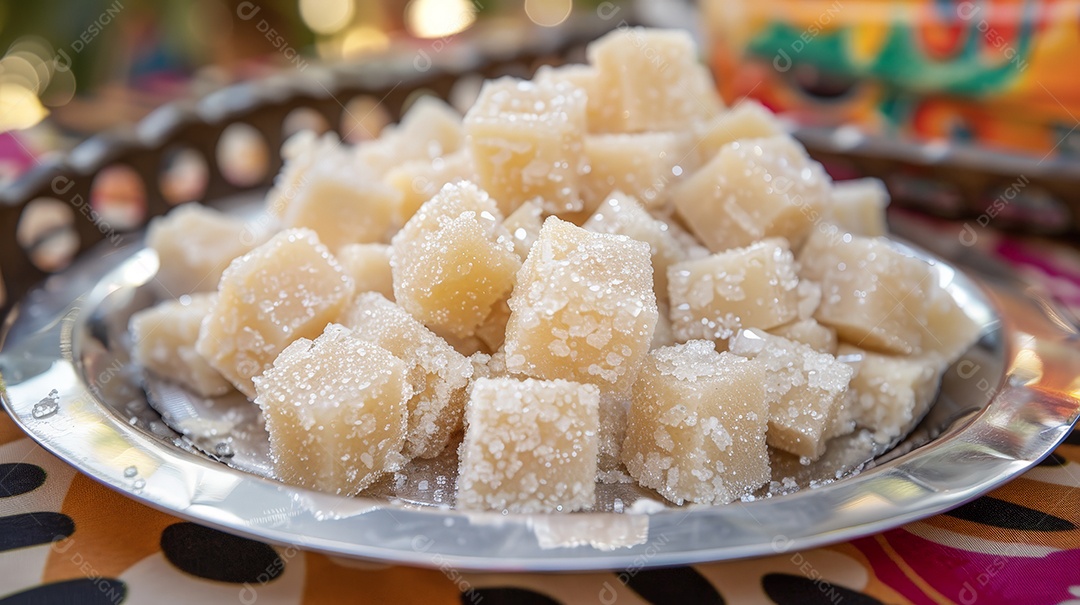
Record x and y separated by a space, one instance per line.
439 18
327 16
548 13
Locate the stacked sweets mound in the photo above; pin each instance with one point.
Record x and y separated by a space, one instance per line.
599 274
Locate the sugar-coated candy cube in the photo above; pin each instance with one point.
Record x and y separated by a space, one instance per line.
747 120
344 202
583 308
696 426
430 129
752 189
891 393
335 410
526 141
288 288
624 215
873 295
164 342
419 180
454 260
858 206
654 79
804 389
948 330
530 446
612 414
301 152
194 244
524 225
600 116
809 332
714 297
642 165
436 372
369 267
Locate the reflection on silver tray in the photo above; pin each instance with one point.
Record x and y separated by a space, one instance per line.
68 382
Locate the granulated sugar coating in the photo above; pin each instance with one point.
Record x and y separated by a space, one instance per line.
344 203
335 409
583 308
419 180
454 260
889 392
429 130
288 288
530 446
807 331
752 189
653 80
696 427
747 120
872 295
527 143
437 374
369 267
164 342
642 165
623 214
804 388
747 287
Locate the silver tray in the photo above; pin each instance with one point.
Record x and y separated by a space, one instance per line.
67 382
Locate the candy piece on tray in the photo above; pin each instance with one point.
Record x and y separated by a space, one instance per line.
526 142
873 295
288 288
753 189
164 338
583 309
858 207
810 332
890 393
599 116
714 297
530 446
654 80
419 180
453 261
623 214
344 202
336 412
194 244
430 129
524 225
747 120
642 165
804 389
300 152
369 267
436 372
948 330
696 427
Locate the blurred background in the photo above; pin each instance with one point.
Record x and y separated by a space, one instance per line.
967 109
